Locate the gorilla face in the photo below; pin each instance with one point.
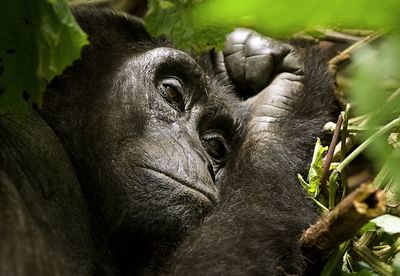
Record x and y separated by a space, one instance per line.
158 165
144 131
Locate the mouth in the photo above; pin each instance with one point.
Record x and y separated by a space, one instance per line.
202 192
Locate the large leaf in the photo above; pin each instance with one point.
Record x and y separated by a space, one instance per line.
201 24
287 16
38 39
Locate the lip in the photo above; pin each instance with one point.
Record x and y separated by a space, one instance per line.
209 196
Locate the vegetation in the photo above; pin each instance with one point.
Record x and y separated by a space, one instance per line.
369 90
39 38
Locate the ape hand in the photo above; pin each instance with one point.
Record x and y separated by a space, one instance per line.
270 70
251 61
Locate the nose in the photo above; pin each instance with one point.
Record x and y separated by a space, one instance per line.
197 151
210 169
204 157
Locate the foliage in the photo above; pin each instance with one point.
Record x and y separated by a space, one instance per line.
390 224
38 39
372 69
289 16
377 243
176 20
374 77
315 171
209 21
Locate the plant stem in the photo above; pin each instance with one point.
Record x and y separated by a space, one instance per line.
366 238
377 265
354 154
381 178
333 262
329 155
332 189
343 176
366 143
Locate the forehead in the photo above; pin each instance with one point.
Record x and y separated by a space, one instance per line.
165 60
152 66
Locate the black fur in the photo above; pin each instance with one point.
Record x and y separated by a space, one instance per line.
255 230
109 177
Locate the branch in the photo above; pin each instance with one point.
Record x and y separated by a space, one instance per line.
342 222
346 54
329 155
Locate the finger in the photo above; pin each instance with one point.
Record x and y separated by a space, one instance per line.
252 60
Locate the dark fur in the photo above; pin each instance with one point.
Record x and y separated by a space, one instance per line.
75 200
256 228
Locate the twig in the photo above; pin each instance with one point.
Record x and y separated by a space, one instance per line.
350 144
393 124
329 155
345 116
331 126
342 222
346 54
335 36
357 125
334 175
356 32
376 264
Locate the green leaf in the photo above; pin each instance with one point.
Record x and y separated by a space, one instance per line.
370 226
315 171
390 224
303 183
38 39
279 18
200 24
396 265
175 20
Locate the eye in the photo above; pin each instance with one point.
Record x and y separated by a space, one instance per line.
215 145
170 90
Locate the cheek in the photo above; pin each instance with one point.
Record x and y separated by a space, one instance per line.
156 176
153 203
162 160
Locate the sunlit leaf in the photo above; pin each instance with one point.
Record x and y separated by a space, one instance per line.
370 226
315 171
288 16
202 24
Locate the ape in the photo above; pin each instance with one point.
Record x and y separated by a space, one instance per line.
136 144
256 227
140 125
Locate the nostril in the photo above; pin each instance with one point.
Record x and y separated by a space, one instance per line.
211 170
205 159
